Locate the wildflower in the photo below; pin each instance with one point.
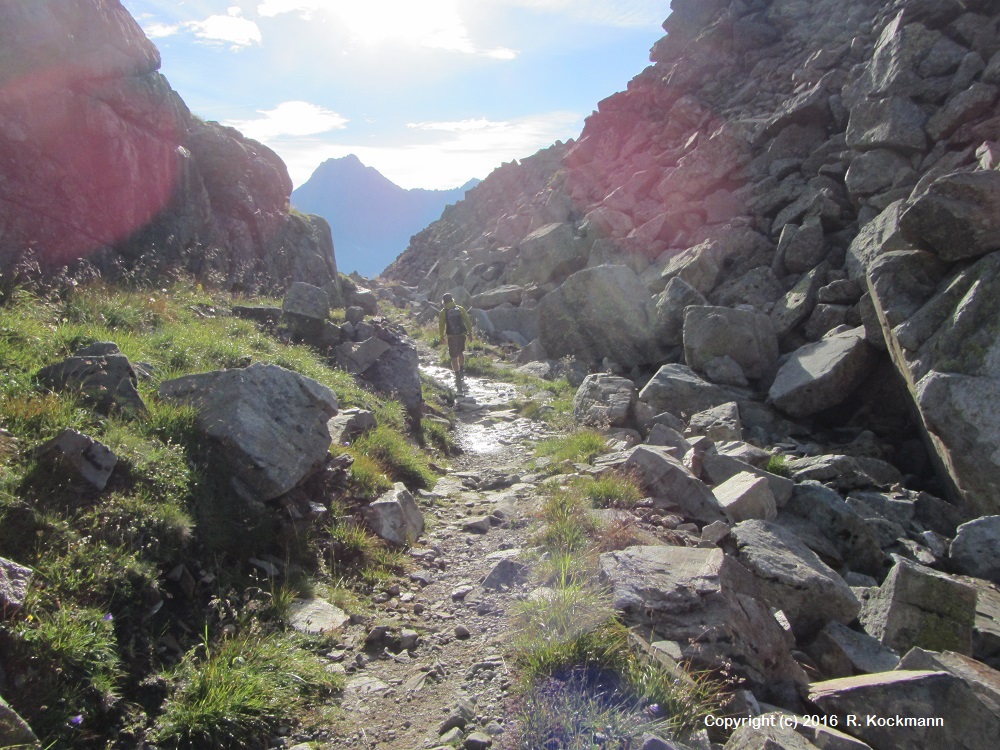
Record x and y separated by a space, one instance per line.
108 617
76 720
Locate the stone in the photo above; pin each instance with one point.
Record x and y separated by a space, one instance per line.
508 293
805 248
477 741
356 358
549 252
958 216
876 171
520 320
965 106
668 437
821 375
354 314
720 423
983 680
350 424
84 458
316 616
797 304
306 301
844 472
895 122
744 496
975 550
14 580
603 311
718 467
395 516
14 731
505 574
670 305
792 578
668 481
477 524
748 337
881 234
678 390
107 381
269 423
840 525
767 732
396 373
918 606
604 400
909 709
701 599
725 370
841 652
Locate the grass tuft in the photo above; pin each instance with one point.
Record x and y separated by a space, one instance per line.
581 446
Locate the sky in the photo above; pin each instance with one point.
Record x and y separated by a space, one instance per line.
429 92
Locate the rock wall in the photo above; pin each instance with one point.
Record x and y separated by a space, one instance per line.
832 164
102 162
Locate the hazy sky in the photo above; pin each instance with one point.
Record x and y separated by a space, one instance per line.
429 92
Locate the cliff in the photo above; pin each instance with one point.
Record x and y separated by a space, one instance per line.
830 164
104 165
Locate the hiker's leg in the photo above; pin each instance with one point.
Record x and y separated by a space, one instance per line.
456 364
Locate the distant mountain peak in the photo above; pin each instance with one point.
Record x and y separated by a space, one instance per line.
371 217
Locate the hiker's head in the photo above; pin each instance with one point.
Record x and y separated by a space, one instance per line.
447 298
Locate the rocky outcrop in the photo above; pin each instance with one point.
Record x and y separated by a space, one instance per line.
103 163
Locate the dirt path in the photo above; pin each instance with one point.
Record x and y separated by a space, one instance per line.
477 516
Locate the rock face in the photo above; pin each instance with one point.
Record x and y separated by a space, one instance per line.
103 162
269 423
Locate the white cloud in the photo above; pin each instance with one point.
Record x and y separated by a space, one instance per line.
161 30
295 119
444 154
305 8
627 13
231 29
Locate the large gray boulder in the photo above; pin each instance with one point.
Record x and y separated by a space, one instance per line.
918 606
508 293
668 481
548 253
703 600
792 578
906 709
101 375
678 389
670 304
745 336
599 312
842 652
604 400
819 376
958 217
270 423
975 550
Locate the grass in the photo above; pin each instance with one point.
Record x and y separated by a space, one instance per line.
580 446
236 695
168 504
778 464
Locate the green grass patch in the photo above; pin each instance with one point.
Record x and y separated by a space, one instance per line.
613 489
581 446
239 692
778 464
397 458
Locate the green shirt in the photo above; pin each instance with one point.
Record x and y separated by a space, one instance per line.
443 325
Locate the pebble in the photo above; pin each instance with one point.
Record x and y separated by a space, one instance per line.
462 632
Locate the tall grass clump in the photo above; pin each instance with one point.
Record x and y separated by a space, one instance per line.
399 460
581 446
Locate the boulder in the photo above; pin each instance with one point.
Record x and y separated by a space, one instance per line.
599 312
395 517
718 467
767 732
797 304
821 375
678 390
984 680
548 253
894 122
521 320
106 380
748 337
83 457
670 305
841 652
840 525
306 301
702 599
358 357
604 400
14 580
14 731
316 616
958 216
844 472
670 482
975 550
904 709
918 606
350 424
745 496
792 578
396 374
805 246
719 424
270 424
508 293
725 370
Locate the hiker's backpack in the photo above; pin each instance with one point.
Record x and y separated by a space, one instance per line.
454 324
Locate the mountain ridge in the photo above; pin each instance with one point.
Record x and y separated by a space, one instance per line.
371 217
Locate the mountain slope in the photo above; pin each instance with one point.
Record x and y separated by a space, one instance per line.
371 217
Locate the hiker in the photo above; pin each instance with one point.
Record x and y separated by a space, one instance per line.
456 323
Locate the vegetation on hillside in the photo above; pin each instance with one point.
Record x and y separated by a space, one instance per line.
143 620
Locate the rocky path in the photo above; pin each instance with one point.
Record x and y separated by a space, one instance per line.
430 667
